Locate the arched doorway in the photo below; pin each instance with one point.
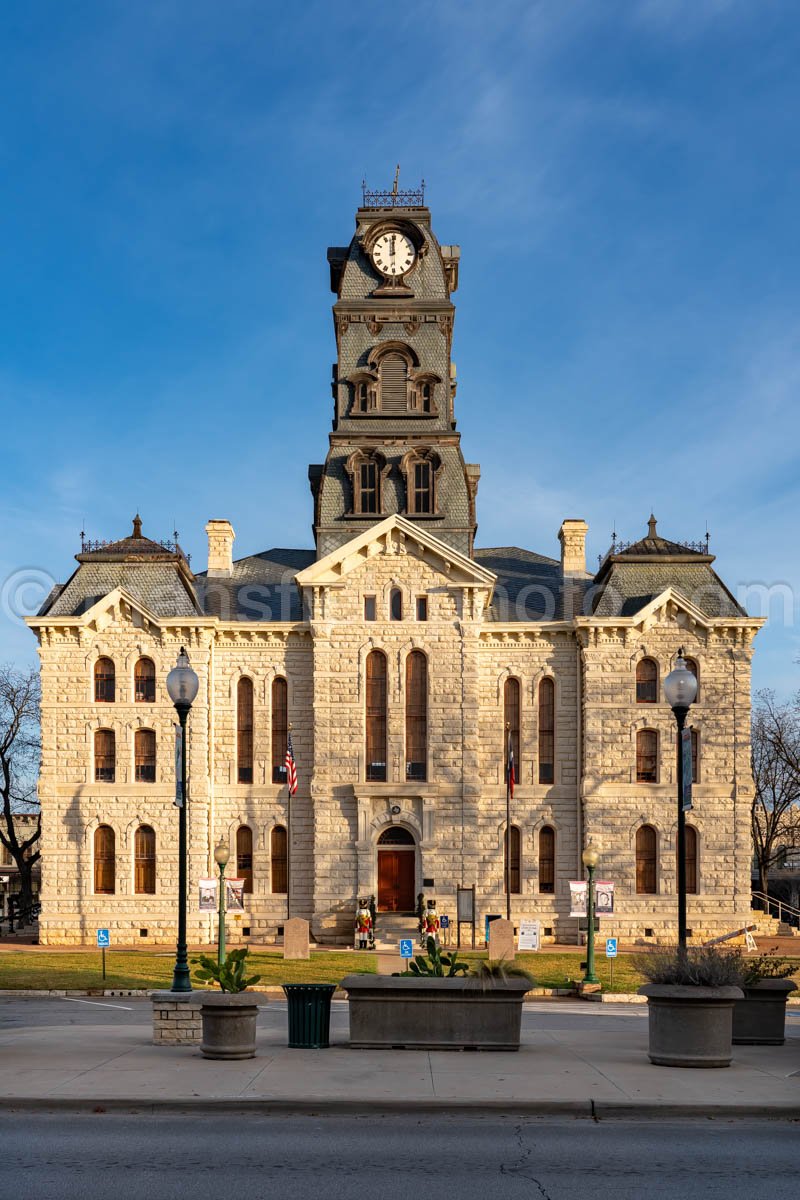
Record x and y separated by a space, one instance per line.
396 870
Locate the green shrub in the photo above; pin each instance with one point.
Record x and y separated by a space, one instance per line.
767 966
699 966
229 975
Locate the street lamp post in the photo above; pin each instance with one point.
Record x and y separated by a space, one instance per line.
182 685
590 857
680 689
221 856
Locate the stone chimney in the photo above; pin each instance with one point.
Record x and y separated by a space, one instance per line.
220 547
572 536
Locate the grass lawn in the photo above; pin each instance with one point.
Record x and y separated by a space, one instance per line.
81 969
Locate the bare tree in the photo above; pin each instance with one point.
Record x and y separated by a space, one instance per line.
775 814
19 763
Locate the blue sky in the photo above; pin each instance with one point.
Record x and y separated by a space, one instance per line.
623 181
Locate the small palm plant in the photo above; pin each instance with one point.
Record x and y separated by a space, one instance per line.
230 975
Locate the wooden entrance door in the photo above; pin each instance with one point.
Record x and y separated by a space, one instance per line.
395 880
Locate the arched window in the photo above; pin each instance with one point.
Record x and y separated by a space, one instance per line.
547 860
376 716
280 728
244 856
547 724
104 756
513 885
395 605
278 860
144 756
691 665
104 861
394 383
416 716
366 473
144 681
144 861
104 678
691 860
244 730
695 755
511 718
646 843
646 756
646 681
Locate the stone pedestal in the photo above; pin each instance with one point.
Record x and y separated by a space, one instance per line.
295 938
501 939
176 1018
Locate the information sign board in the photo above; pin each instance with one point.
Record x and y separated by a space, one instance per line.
528 935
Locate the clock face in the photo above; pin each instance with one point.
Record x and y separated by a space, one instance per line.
393 253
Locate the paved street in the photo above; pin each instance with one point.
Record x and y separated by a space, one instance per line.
202 1157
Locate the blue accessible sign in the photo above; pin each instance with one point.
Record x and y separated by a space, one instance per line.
103 939
406 948
445 921
611 947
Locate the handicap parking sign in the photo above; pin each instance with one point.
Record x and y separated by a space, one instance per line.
406 948
611 947
103 939
445 921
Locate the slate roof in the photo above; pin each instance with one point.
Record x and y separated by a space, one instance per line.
151 572
529 586
627 581
260 587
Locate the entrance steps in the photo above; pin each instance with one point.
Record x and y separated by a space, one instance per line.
391 927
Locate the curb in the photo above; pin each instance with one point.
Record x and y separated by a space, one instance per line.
595 1110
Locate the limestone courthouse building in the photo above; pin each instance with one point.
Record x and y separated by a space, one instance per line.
397 651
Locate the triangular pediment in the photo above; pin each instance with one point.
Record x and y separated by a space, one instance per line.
396 536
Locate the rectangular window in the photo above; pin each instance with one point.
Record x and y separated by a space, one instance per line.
370 608
368 478
422 487
422 608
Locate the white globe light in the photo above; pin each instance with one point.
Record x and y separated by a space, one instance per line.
182 681
680 686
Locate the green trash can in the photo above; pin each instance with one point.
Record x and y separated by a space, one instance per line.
309 1014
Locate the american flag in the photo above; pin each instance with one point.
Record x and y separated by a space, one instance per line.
291 767
510 766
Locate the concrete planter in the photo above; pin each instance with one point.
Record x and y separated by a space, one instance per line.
759 1019
690 1026
229 1024
411 1013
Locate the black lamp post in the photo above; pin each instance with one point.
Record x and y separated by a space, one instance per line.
590 857
680 689
182 685
221 856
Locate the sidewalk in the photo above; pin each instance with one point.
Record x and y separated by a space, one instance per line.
583 1060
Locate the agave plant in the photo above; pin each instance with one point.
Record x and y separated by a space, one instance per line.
229 975
436 963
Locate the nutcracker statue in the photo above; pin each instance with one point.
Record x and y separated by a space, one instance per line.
430 924
363 926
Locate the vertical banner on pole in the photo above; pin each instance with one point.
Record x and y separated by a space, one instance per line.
178 767
686 751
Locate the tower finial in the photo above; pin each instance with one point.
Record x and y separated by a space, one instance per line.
396 180
651 527
137 526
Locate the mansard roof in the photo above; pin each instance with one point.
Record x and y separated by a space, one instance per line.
631 577
156 574
260 587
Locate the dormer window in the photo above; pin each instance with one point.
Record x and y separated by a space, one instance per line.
421 469
394 383
367 472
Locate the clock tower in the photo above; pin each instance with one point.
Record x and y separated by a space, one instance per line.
394 447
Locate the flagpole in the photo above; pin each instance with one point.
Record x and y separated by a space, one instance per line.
288 844
508 823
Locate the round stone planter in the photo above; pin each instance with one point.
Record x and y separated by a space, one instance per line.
690 1026
760 1018
229 1024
